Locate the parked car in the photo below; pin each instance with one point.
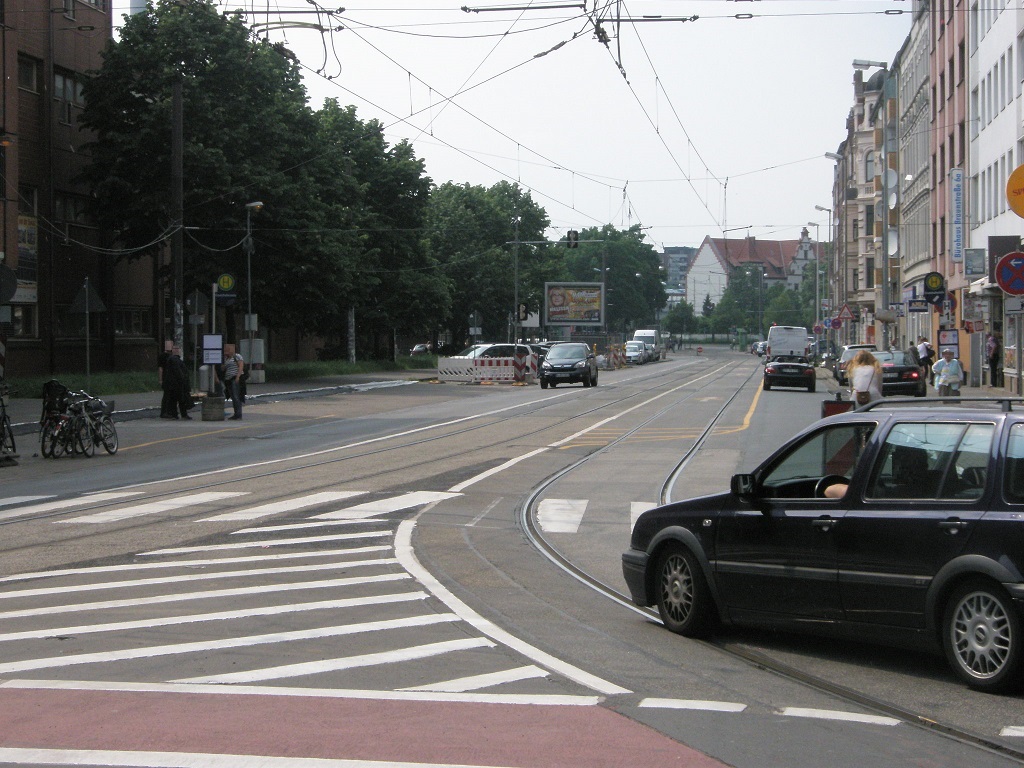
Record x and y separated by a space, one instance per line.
420 349
789 371
924 548
760 347
636 353
901 375
494 350
569 362
845 356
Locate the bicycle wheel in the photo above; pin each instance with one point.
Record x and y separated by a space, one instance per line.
59 430
108 434
6 437
83 437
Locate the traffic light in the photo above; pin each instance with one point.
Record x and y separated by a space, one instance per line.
572 239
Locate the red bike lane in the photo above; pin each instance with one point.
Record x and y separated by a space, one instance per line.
124 727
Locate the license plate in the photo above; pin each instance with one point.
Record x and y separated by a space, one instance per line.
890 376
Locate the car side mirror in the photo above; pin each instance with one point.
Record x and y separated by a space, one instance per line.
743 486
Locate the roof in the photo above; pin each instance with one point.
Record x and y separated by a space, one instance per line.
774 255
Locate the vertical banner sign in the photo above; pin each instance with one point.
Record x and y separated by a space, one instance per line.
956 215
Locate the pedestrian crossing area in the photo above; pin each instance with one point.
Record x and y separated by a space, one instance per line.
319 590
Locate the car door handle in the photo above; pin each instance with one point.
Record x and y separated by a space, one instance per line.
824 523
953 527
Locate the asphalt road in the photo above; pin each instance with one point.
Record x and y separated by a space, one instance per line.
348 577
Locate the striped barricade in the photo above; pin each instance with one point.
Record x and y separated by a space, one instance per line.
497 369
455 369
494 369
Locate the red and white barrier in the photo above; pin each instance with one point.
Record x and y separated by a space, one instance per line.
496 369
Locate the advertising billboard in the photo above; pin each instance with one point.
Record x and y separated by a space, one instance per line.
573 304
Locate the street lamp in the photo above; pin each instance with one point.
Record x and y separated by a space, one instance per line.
832 255
250 320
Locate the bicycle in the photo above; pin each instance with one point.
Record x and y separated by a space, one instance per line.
101 424
8 450
74 422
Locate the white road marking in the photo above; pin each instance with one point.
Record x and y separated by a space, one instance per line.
407 558
267 543
1012 730
483 514
476 682
637 508
198 646
52 506
831 714
245 613
276 507
124 759
495 470
391 504
561 515
191 563
698 704
305 526
347 662
21 500
209 594
153 507
326 693
188 577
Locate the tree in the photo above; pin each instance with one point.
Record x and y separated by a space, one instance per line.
680 319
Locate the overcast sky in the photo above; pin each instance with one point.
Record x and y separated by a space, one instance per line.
686 128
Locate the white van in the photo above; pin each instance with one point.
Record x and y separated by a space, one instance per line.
650 336
787 340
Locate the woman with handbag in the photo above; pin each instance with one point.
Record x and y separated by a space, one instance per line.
865 374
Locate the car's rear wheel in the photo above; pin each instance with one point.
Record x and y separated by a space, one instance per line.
982 637
684 600
766 385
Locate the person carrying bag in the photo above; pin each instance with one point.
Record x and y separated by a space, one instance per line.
865 374
949 374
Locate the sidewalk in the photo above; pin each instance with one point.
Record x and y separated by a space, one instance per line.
24 412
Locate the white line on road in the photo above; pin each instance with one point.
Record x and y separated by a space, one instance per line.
199 646
561 515
547 699
391 504
698 704
475 682
188 577
52 506
407 557
192 563
348 662
153 507
178 597
195 618
266 543
287 505
831 714
21 500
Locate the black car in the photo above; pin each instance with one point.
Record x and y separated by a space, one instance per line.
568 362
901 375
847 354
789 371
923 546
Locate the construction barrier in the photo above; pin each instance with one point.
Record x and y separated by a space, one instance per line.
496 369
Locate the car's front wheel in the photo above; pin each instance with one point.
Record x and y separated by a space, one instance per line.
684 600
982 637
543 383
586 380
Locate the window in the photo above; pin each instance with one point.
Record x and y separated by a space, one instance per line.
933 461
1013 473
869 273
28 74
832 451
68 208
23 321
133 321
67 91
28 200
869 166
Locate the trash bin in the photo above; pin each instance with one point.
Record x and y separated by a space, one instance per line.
832 407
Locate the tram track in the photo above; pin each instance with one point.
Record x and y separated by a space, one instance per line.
527 517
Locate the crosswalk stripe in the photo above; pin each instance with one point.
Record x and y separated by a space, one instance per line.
561 515
78 501
29 576
178 597
391 504
21 500
318 633
287 505
191 577
477 682
152 507
637 508
697 704
197 618
267 543
348 662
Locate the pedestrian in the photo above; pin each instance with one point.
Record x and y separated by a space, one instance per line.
865 375
177 374
231 378
926 354
948 374
168 409
994 353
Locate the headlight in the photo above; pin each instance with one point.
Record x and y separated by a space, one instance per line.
581 364
545 364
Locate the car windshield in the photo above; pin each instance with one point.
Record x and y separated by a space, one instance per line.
634 345
894 358
566 352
